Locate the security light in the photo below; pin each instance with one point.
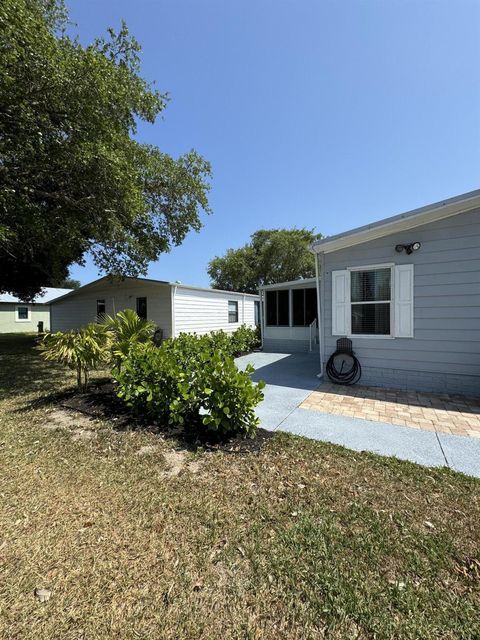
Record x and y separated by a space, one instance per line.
408 248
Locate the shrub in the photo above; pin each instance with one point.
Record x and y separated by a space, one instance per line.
244 340
187 382
124 330
81 350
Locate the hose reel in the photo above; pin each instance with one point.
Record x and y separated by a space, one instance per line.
343 366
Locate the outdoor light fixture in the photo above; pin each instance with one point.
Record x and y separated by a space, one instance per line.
408 248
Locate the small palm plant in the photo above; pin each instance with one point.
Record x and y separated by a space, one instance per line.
124 330
81 350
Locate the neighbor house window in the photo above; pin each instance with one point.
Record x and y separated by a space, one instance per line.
142 308
371 298
23 314
304 303
100 309
232 311
257 312
278 308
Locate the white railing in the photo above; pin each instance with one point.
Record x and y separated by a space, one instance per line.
313 332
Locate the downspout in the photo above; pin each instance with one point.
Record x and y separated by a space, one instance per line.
319 312
173 291
243 310
260 293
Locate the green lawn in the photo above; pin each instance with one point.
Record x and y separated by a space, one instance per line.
302 540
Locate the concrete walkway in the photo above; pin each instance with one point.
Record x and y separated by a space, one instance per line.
291 378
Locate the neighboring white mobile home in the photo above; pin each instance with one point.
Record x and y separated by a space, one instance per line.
406 291
17 316
174 307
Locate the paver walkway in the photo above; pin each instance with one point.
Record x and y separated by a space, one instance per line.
291 378
445 413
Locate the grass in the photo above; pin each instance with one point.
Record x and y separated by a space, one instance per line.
302 540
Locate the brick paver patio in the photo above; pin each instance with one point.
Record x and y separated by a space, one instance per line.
455 414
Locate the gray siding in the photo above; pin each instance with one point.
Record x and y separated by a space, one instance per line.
444 354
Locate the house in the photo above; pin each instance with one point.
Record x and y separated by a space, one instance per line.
174 307
17 316
406 291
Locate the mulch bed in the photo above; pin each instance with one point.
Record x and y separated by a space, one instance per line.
100 401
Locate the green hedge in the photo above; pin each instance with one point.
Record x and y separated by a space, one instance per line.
239 342
192 381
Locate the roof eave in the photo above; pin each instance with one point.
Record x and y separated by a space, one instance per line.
402 222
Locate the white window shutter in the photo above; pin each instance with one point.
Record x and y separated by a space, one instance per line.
403 288
340 302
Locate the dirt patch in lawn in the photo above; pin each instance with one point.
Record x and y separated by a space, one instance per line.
101 402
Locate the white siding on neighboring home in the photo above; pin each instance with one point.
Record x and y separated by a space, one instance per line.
77 310
37 312
202 311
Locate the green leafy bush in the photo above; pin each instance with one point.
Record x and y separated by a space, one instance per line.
187 382
81 350
244 340
241 341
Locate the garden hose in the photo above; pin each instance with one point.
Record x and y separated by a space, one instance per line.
347 374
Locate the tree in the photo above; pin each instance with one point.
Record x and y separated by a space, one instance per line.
67 283
73 178
272 255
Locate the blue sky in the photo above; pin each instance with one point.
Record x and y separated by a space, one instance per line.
315 113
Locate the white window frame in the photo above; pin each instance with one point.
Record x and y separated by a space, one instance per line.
237 313
376 336
17 307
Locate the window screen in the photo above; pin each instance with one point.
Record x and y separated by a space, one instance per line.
100 308
278 308
304 307
370 301
310 306
272 308
257 312
283 309
298 301
142 308
232 311
22 313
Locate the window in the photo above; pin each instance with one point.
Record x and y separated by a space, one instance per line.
370 296
142 308
257 312
23 314
101 309
278 308
304 307
232 311
375 301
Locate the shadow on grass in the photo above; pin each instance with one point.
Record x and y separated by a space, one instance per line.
23 373
101 402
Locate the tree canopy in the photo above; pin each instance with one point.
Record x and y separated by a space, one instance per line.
272 255
67 283
73 178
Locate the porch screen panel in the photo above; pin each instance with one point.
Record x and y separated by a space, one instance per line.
283 309
271 308
298 307
310 306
